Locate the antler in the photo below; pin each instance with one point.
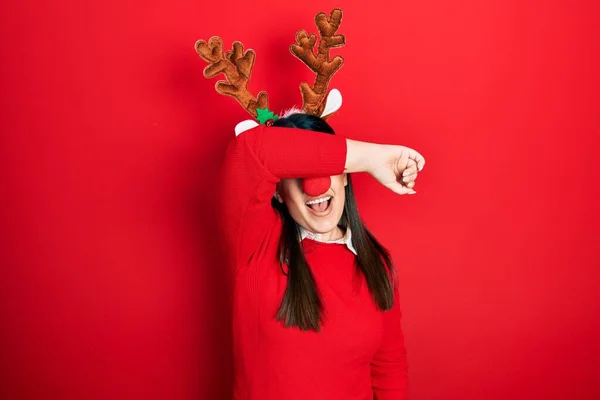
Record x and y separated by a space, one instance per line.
236 65
312 97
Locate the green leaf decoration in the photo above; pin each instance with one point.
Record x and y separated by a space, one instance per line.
263 115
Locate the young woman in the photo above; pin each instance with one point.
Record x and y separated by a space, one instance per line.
316 312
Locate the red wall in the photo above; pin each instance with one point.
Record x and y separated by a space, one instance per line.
112 285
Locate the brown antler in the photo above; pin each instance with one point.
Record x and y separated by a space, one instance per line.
236 65
320 64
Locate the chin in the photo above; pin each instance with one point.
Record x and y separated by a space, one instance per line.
321 226
324 224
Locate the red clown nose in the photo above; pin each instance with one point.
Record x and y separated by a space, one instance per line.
316 186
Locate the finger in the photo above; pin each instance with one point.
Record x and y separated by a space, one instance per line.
400 189
403 162
417 157
410 184
409 178
409 174
411 168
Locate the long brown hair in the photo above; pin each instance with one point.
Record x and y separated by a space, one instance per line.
301 305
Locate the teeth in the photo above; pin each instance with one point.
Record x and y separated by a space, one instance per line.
321 200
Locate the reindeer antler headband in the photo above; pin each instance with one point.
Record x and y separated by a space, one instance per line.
237 66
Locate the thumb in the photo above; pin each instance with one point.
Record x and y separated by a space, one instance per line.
398 188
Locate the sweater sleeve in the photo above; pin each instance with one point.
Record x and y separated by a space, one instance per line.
389 369
255 161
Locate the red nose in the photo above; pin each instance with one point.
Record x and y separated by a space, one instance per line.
316 186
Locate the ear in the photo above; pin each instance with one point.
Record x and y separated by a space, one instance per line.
276 194
345 179
278 197
244 126
333 103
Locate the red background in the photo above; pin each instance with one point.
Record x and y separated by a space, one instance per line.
112 285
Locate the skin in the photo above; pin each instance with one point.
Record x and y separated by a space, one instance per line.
395 167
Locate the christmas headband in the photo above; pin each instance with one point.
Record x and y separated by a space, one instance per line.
237 64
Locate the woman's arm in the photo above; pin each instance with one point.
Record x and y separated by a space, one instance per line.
389 369
395 167
257 159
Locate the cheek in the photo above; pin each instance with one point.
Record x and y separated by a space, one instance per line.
340 202
287 187
292 192
338 184
297 209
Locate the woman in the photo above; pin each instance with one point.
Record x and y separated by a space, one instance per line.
315 313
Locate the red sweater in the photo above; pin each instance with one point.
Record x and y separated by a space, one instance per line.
359 353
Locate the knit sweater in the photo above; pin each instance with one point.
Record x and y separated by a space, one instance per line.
359 352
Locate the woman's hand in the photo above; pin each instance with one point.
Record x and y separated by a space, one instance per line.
395 167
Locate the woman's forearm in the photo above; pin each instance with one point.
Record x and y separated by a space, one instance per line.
393 166
360 156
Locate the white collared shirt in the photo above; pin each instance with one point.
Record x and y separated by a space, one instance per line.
317 237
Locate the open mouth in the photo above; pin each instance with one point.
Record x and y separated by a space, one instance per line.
320 205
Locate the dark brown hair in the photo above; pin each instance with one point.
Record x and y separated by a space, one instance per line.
301 305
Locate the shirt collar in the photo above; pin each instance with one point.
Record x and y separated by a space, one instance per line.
317 237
